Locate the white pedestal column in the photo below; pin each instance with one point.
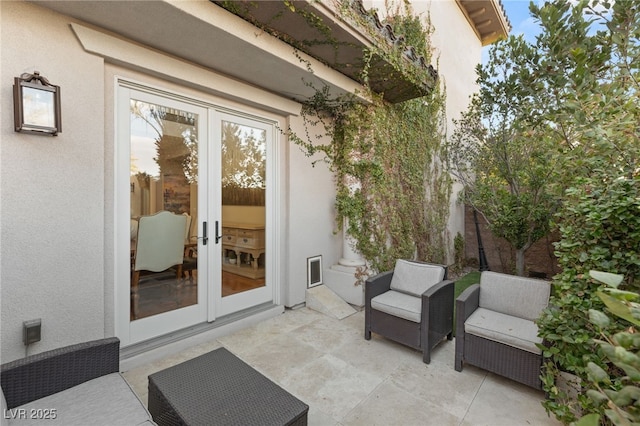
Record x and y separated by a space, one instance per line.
341 278
349 255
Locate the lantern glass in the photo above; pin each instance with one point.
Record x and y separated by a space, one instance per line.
39 107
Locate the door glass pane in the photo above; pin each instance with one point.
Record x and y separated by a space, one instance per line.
163 178
243 207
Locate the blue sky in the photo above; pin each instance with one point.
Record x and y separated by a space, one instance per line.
521 20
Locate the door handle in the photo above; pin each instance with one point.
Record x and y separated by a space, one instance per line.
218 236
205 238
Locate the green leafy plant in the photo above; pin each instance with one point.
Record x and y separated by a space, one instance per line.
615 381
392 186
458 253
578 85
599 230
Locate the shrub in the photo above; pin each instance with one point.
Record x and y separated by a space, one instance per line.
600 230
622 350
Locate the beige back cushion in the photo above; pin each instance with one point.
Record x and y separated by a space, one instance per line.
512 295
415 278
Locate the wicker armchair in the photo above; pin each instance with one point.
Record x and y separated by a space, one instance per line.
496 329
412 305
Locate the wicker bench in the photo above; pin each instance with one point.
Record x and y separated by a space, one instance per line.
219 388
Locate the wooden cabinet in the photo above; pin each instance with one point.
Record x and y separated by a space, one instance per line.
247 242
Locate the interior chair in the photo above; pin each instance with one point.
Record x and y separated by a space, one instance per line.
496 329
412 305
159 246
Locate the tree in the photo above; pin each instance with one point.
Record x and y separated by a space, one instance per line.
590 65
503 152
243 156
570 103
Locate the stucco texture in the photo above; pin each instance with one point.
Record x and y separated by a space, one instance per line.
312 213
51 227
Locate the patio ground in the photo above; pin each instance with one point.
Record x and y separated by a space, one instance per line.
347 380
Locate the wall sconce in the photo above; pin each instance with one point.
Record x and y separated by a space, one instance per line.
36 105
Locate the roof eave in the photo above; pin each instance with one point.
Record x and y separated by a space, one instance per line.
487 18
338 43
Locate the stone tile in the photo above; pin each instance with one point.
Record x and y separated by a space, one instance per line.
245 341
139 385
138 378
317 417
188 354
326 334
390 405
440 385
331 385
280 356
501 401
379 356
355 321
444 353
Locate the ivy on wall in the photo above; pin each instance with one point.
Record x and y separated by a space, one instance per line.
392 188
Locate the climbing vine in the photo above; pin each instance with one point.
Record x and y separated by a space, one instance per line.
392 189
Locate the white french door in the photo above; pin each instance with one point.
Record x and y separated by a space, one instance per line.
161 141
246 170
213 168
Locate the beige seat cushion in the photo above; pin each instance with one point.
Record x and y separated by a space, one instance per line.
107 400
399 305
513 331
415 278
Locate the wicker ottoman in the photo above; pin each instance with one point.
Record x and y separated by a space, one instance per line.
218 388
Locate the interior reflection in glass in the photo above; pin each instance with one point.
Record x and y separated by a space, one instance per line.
163 178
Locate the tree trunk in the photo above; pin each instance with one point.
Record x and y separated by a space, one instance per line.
520 261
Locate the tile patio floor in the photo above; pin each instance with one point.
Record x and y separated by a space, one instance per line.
347 380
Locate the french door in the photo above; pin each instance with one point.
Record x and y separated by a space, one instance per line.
207 170
246 144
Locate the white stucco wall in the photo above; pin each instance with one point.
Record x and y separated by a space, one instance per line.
458 51
311 216
52 190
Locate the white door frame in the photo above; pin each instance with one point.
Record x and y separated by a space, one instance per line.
239 301
122 200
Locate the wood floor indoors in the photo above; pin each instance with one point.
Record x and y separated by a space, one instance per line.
162 293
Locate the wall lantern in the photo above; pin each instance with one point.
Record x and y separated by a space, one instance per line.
36 105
